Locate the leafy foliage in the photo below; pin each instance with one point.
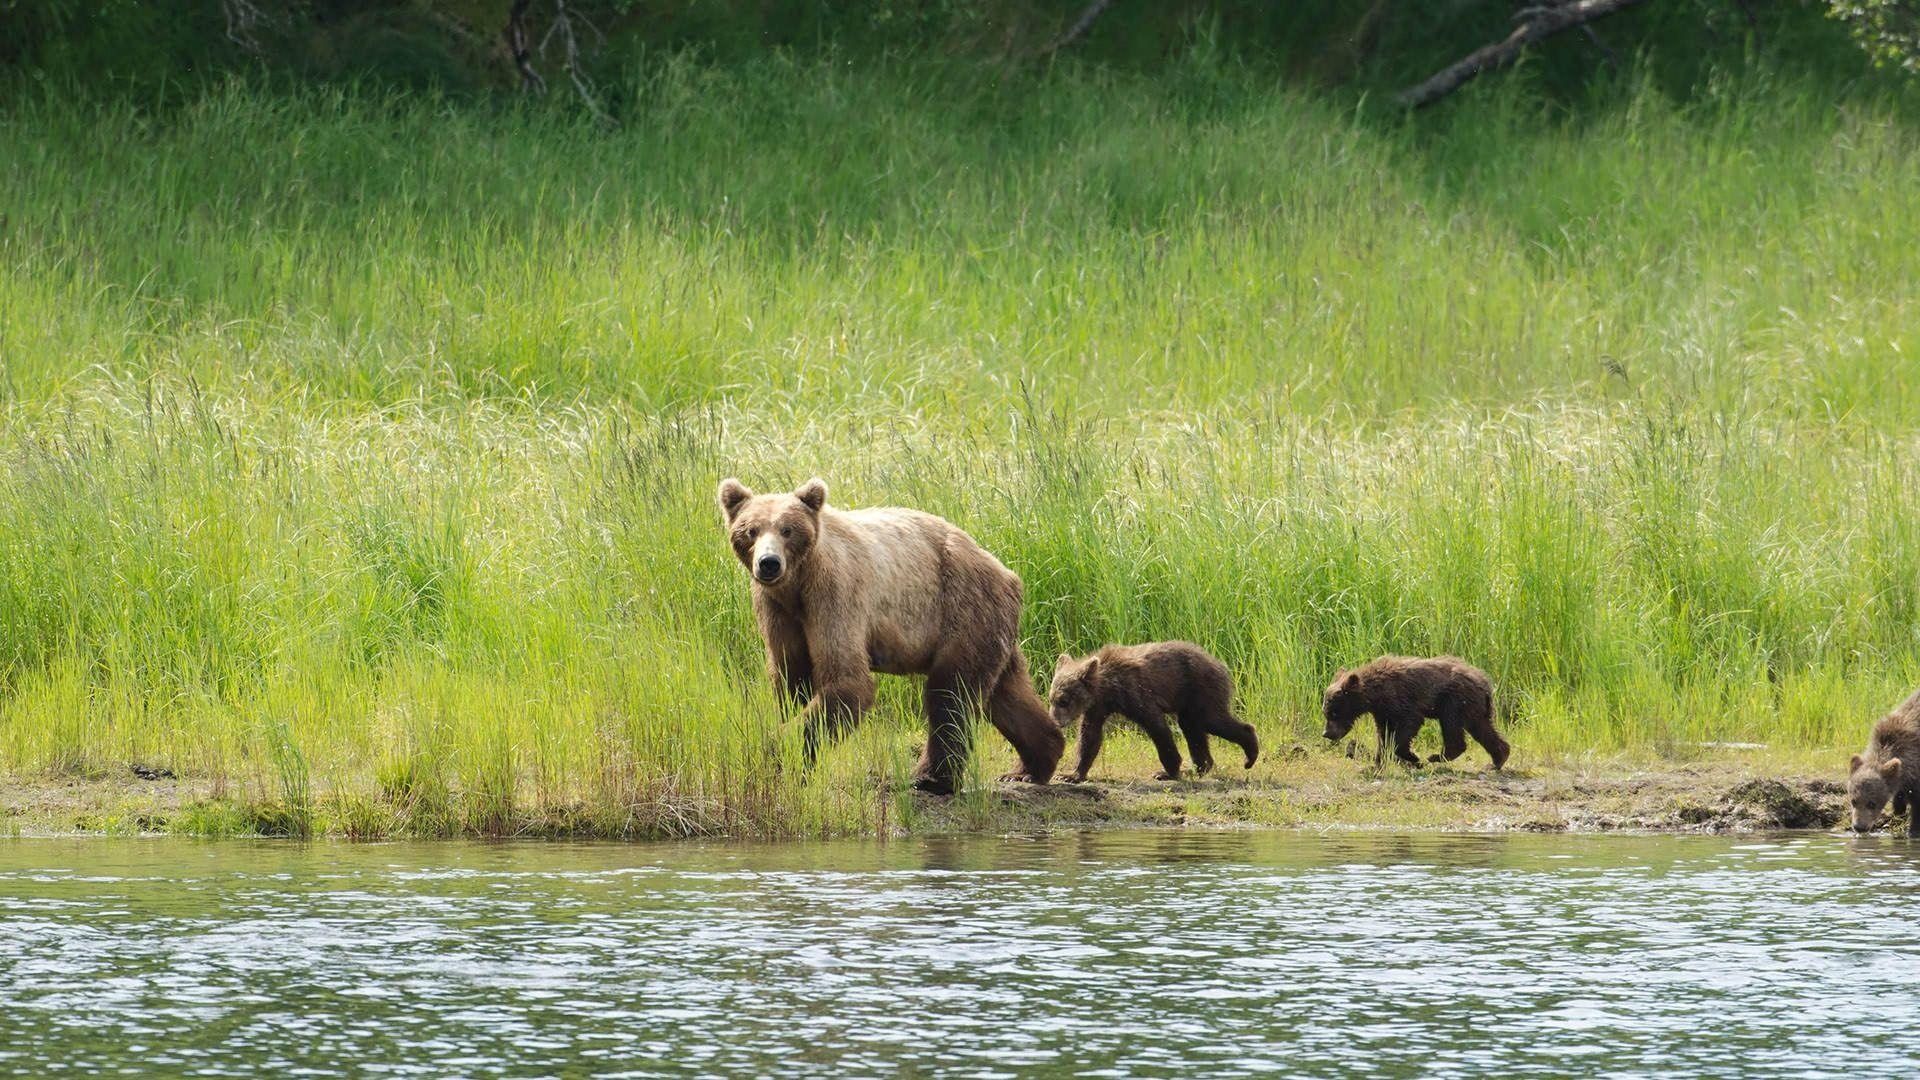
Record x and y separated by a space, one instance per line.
1888 29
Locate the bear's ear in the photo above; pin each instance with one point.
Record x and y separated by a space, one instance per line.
1351 682
1890 772
733 495
1093 665
1854 765
813 493
1062 660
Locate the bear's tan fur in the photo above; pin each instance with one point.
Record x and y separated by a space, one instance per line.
1889 770
840 594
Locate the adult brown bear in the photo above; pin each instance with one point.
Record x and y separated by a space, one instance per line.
841 594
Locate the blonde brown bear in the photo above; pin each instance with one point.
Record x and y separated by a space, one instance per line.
841 594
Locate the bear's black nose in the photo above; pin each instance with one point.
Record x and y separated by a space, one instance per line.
768 568
1857 827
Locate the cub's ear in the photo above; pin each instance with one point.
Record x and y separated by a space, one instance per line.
1351 682
813 493
1093 665
1890 772
1062 660
1854 765
733 495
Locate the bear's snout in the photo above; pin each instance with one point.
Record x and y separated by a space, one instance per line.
767 568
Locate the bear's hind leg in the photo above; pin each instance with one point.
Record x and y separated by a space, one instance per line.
1476 716
1019 715
1223 723
1453 736
1163 745
1197 748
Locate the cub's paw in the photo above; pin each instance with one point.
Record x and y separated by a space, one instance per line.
927 785
1165 775
1074 778
1434 759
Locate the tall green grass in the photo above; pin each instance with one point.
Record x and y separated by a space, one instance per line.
360 453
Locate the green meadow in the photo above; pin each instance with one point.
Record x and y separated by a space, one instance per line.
360 450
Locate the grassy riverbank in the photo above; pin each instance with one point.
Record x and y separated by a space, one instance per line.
359 454
1714 792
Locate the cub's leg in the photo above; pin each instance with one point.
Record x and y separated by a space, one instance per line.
1220 721
1093 730
1197 748
1163 744
1404 729
1453 733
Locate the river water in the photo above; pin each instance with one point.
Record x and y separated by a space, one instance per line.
1184 954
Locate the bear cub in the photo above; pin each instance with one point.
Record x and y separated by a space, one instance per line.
1889 771
1402 692
1144 683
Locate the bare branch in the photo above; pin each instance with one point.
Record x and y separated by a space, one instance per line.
1606 50
563 29
519 51
1081 25
1535 23
244 19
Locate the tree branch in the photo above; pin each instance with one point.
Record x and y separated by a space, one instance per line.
243 24
1080 26
1535 23
520 50
576 70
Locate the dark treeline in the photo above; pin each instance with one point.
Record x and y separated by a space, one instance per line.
1413 51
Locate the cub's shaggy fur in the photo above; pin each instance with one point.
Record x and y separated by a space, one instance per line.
841 594
1889 771
1402 692
1144 683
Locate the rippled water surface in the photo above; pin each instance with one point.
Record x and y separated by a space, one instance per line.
1108 954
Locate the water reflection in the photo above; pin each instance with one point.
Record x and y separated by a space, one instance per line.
1189 953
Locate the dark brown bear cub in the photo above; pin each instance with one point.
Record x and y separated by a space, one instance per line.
1889 772
1144 683
1403 691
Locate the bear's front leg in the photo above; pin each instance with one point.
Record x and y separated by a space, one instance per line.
1093 732
1163 745
1404 729
789 664
836 707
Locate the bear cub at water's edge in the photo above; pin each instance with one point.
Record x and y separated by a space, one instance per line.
1889 771
1402 692
841 594
1144 683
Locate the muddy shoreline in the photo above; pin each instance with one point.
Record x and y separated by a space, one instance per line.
1676 797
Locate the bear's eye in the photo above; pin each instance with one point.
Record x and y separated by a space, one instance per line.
786 530
753 533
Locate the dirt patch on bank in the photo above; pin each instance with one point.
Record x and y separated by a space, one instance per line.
1676 798
1295 791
